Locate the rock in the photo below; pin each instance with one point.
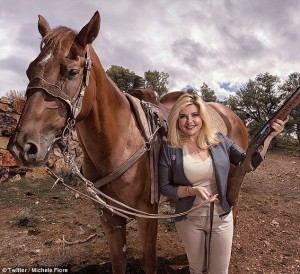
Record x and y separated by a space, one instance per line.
274 222
37 172
5 107
3 142
14 179
6 158
18 105
7 124
4 174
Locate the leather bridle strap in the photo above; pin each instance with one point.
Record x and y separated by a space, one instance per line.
122 168
54 90
51 89
85 82
127 164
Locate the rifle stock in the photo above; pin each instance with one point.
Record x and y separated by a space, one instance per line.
251 161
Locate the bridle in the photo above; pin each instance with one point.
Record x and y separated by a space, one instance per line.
74 103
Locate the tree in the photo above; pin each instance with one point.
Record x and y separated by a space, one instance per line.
232 101
12 94
289 86
157 81
257 101
207 94
123 78
190 89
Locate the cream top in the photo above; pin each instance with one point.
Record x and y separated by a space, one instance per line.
201 173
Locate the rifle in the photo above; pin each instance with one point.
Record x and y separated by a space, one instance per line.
253 158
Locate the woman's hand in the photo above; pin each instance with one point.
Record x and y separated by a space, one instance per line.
278 126
202 192
185 191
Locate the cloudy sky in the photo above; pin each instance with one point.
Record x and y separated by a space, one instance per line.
222 43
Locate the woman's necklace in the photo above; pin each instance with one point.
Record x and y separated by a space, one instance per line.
198 150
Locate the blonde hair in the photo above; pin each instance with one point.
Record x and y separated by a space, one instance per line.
176 137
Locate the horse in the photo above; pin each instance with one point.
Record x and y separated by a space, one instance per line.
68 85
146 94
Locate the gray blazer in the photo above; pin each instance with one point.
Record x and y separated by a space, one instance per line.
171 173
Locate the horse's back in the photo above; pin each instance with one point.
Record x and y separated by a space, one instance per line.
236 129
147 95
167 101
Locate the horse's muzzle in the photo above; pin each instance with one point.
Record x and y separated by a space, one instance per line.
27 155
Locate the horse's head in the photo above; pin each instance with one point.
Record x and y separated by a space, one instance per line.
57 80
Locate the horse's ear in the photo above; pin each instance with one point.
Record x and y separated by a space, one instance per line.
90 31
43 26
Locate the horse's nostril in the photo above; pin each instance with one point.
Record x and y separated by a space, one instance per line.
32 149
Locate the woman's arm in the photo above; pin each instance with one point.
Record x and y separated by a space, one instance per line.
278 126
165 174
237 155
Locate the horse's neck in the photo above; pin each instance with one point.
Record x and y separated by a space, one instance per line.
111 106
109 117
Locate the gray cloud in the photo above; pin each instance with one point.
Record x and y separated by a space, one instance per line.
194 41
190 52
16 65
29 37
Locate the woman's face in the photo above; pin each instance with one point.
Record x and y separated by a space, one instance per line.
189 120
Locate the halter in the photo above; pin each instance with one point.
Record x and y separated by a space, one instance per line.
74 104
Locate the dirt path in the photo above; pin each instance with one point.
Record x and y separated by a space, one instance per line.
35 218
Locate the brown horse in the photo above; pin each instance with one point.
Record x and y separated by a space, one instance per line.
63 85
105 125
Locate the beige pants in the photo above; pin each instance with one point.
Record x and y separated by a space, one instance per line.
194 233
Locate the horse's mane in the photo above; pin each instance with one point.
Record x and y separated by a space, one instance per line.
54 38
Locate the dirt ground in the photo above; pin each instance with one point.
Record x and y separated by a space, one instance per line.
35 218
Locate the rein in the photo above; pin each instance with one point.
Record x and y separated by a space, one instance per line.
115 210
95 192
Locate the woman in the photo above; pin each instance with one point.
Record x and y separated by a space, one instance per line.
193 167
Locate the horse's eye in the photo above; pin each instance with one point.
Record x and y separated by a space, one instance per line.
73 72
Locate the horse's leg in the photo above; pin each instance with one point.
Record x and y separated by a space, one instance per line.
148 233
235 210
116 237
